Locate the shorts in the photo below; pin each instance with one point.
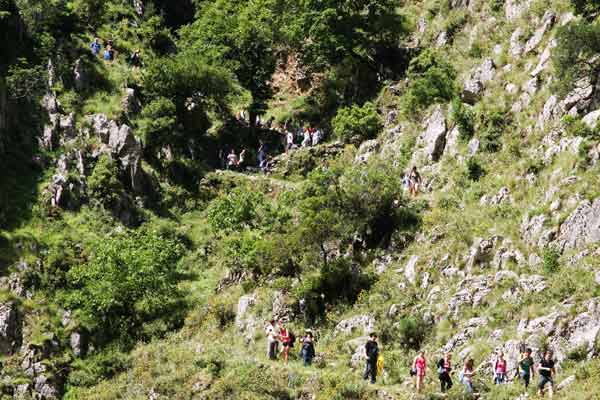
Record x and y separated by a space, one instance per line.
544 380
526 378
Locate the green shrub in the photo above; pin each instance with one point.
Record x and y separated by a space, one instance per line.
464 117
102 365
550 258
157 122
576 127
129 282
104 184
475 170
362 122
431 80
411 332
492 123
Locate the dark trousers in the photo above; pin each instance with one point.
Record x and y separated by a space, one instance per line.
445 381
273 350
371 371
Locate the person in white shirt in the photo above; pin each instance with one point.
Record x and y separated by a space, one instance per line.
272 340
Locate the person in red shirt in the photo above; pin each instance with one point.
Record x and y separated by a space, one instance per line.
500 369
284 337
420 367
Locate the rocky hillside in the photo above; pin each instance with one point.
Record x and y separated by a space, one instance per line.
134 267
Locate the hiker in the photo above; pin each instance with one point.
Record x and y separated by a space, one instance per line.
420 369
500 369
526 370
96 46
269 123
272 343
290 141
109 54
262 156
284 337
241 158
316 137
308 348
307 138
444 369
414 182
135 60
232 160
371 355
467 374
546 371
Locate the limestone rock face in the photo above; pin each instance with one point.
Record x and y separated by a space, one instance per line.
513 9
433 139
474 86
363 324
10 328
582 227
547 22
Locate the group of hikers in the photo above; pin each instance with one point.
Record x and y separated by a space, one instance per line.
290 139
108 55
277 334
525 371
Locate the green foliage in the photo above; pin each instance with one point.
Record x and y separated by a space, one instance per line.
25 81
411 332
431 80
362 122
128 288
574 57
157 123
464 117
104 365
550 259
587 8
576 127
104 184
474 169
492 123
244 208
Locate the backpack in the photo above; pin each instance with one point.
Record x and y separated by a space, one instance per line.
292 339
380 364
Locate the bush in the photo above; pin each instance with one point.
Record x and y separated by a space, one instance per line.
576 127
491 125
550 258
411 332
474 169
362 122
128 284
432 80
104 184
464 117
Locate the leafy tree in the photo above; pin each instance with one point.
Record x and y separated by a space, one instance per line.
128 288
240 37
104 184
587 8
431 80
575 57
362 122
464 117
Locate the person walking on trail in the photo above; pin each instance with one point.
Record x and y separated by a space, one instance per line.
546 371
232 160
272 340
316 137
262 156
420 368
96 46
308 348
414 182
371 355
109 53
241 159
290 141
307 138
284 337
526 370
467 374
136 59
500 369
444 366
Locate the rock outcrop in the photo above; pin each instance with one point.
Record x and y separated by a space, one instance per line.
581 228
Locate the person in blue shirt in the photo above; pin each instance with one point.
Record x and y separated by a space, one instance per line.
96 46
109 53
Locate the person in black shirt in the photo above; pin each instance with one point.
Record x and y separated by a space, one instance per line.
371 354
546 371
444 366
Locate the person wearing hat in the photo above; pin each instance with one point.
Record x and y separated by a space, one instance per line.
308 347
